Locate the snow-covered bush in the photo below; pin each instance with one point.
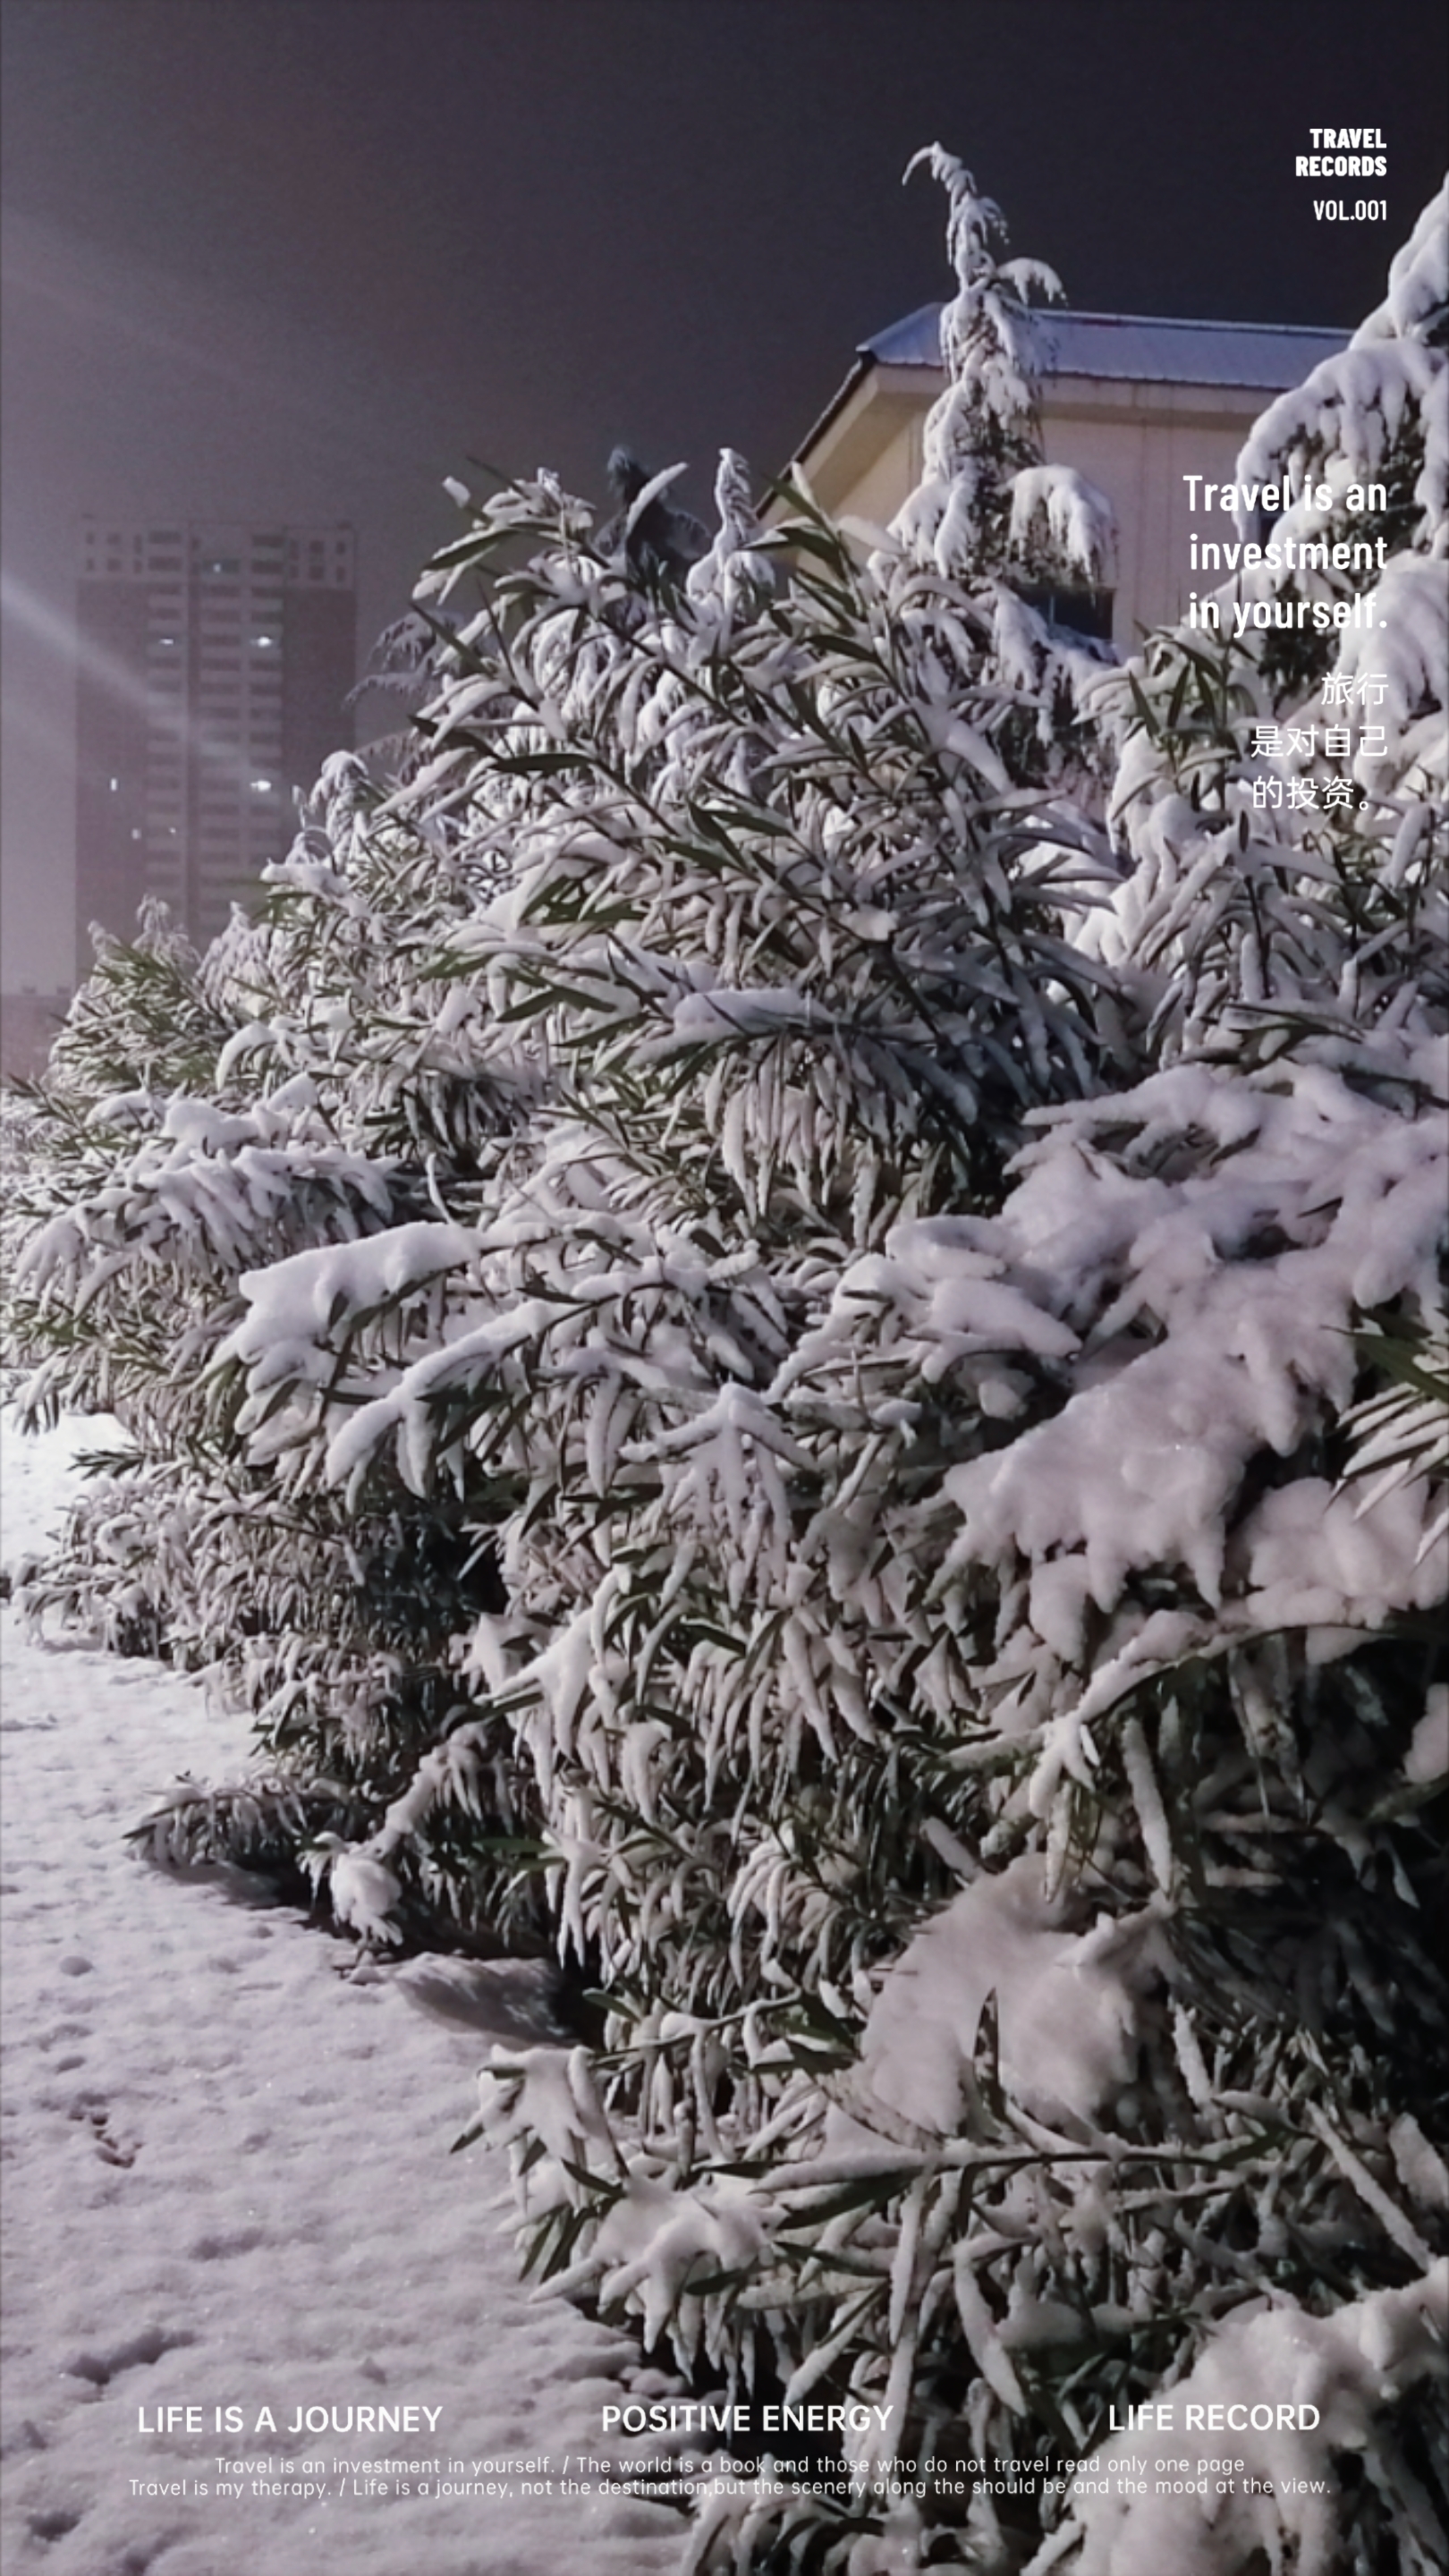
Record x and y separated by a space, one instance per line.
161 1173
1281 789
744 1327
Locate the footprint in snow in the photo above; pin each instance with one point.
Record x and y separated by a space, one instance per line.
50 2526
114 2150
100 2368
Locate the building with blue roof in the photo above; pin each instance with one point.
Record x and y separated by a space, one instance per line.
1134 402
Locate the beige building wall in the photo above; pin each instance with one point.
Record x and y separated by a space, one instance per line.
1134 440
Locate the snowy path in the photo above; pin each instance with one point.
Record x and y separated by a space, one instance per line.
227 2183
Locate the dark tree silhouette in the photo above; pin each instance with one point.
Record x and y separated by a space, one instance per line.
662 542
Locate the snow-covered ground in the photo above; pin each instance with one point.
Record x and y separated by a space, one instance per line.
227 2184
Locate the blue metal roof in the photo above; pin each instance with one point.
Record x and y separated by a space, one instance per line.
1138 348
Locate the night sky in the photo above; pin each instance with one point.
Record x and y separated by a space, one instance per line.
299 259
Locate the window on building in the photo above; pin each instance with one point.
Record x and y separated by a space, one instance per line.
1074 612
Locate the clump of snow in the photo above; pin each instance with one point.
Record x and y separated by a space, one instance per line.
1077 519
1069 2004
1428 1754
1333 2374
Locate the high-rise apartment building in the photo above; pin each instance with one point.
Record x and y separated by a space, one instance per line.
214 665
